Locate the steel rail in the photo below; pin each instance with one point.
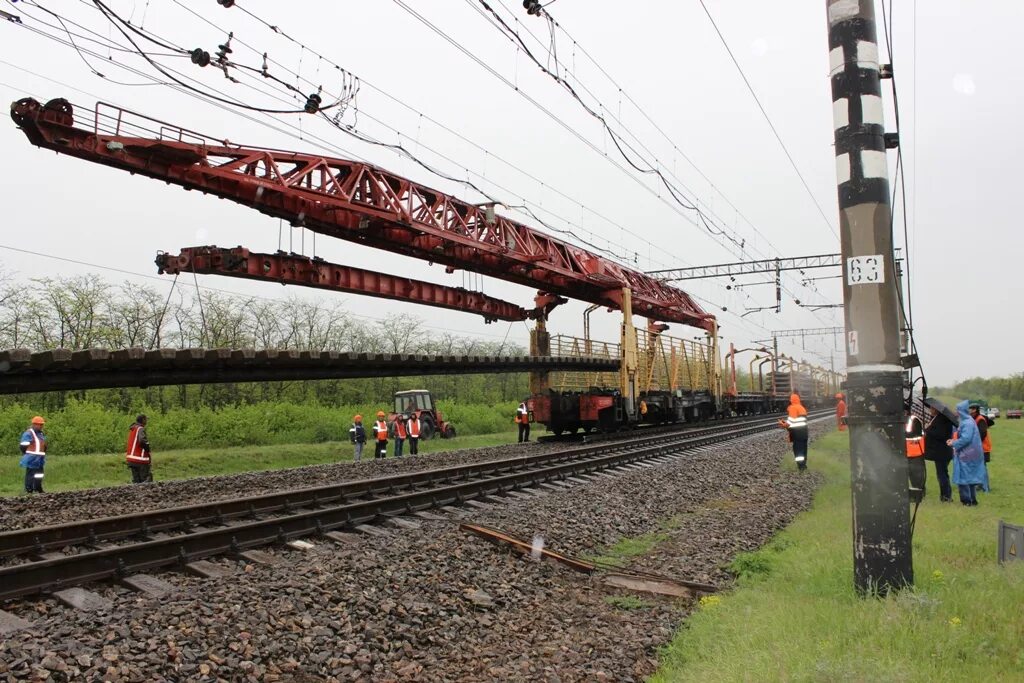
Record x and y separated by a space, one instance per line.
92 531
62 572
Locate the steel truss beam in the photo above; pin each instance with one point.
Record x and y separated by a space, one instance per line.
351 201
809 332
313 272
748 267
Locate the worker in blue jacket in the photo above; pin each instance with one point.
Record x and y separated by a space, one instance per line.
968 457
33 455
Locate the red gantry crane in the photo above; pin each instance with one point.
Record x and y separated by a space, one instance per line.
357 202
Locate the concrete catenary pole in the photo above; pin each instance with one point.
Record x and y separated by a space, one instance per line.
881 526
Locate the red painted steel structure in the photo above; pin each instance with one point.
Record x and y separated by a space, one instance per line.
352 201
295 269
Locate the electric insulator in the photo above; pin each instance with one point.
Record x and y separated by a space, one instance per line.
313 104
200 57
226 3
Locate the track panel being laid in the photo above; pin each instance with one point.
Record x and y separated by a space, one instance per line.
22 371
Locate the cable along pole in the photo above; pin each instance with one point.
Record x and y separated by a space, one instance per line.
882 559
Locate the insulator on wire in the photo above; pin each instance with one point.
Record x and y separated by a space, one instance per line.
313 103
200 57
532 7
224 50
226 3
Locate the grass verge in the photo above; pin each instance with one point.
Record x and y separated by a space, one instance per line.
626 602
72 472
795 617
626 549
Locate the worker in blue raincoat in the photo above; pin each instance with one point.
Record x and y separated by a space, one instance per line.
968 457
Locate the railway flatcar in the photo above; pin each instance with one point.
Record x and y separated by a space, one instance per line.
665 380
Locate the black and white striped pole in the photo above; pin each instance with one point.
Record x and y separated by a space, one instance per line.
881 521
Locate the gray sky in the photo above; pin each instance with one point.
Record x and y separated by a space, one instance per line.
957 108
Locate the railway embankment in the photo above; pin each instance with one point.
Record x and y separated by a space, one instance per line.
434 603
794 616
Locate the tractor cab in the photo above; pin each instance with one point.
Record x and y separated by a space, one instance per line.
419 402
409 402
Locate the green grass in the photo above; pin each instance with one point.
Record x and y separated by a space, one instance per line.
72 472
795 617
619 554
626 602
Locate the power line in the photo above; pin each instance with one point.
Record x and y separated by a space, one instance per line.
201 96
768 119
426 22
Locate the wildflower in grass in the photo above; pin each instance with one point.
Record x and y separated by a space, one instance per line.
954 621
937 576
709 601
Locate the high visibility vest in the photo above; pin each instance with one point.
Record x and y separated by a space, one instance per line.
915 444
400 429
414 428
38 446
986 443
381 429
524 414
797 422
135 454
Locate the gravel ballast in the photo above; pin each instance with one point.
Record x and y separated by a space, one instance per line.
19 512
434 603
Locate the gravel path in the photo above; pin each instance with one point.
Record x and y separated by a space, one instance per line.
435 604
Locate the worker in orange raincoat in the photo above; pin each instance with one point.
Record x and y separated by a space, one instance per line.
796 424
841 412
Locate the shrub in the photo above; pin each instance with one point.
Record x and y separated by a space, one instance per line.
86 427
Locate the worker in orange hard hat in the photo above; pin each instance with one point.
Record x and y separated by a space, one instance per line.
357 435
33 455
796 424
841 412
380 433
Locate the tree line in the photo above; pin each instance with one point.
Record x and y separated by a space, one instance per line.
1002 392
86 311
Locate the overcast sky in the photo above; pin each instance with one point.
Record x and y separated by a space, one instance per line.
959 106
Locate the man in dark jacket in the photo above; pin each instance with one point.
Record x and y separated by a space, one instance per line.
937 430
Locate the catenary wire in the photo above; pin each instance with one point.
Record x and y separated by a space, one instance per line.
768 119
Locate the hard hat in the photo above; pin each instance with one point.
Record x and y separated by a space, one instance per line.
38 420
380 413
358 418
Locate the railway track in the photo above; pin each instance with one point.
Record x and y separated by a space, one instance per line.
116 547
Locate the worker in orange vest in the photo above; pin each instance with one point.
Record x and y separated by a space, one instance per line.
841 412
915 456
412 428
380 435
523 420
137 453
986 437
796 424
401 431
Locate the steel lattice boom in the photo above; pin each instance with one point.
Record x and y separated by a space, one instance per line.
313 272
352 201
